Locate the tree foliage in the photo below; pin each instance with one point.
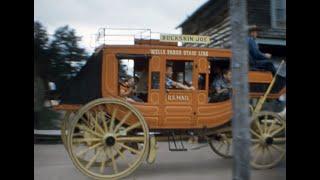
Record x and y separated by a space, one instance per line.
64 52
54 61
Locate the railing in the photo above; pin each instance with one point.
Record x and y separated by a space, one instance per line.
123 36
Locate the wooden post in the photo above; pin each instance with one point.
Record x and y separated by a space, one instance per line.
240 100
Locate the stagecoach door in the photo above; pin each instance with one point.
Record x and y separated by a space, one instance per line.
179 104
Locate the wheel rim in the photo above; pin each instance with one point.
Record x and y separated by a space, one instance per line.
268 140
64 127
97 139
221 144
251 109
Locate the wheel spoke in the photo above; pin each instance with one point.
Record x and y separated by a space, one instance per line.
88 149
89 130
263 158
129 148
258 152
228 149
89 119
254 133
279 140
255 140
81 140
122 121
276 147
93 159
122 156
104 123
271 127
258 126
130 139
86 121
255 147
133 126
265 123
102 166
221 144
269 151
114 164
114 113
277 131
97 125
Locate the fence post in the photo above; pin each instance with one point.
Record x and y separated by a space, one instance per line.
240 100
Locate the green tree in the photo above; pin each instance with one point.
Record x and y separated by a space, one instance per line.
41 60
42 116
64 51
54 61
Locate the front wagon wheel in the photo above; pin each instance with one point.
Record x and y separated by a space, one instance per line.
268 131
104 130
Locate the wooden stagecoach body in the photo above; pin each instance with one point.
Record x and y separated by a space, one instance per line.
173 108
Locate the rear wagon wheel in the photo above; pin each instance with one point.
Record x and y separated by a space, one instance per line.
221 144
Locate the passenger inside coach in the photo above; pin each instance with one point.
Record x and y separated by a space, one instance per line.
221 86
133 79
127 89
170 84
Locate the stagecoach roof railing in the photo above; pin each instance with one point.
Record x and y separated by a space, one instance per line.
122 36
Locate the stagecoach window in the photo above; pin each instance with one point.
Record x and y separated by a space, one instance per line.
155 80
136 69
218 79
181 73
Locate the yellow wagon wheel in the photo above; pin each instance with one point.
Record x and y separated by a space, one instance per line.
94 139
221 144
268 140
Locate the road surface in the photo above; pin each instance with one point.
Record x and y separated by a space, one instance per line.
51 162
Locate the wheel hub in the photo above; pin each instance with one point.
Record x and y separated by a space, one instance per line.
110 141
269 140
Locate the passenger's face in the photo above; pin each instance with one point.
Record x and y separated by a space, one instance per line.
169 72
254 34
228 75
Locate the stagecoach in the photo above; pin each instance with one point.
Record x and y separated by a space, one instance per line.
107 137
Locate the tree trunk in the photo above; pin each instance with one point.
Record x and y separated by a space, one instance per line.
240 100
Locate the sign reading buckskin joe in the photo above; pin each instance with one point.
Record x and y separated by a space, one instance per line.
185 38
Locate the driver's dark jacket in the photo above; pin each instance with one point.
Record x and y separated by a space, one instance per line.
254 53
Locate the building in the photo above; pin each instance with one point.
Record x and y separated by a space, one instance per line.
212 19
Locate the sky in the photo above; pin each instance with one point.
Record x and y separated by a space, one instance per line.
87 16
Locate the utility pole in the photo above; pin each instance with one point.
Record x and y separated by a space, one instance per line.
240 101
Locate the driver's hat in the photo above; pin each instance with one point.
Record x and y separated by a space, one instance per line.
253 28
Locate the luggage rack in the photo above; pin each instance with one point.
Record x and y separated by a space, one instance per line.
122 35
128 36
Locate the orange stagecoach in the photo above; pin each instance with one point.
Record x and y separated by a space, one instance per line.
108 137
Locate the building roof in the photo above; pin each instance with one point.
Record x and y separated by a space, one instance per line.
196 12
212 19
